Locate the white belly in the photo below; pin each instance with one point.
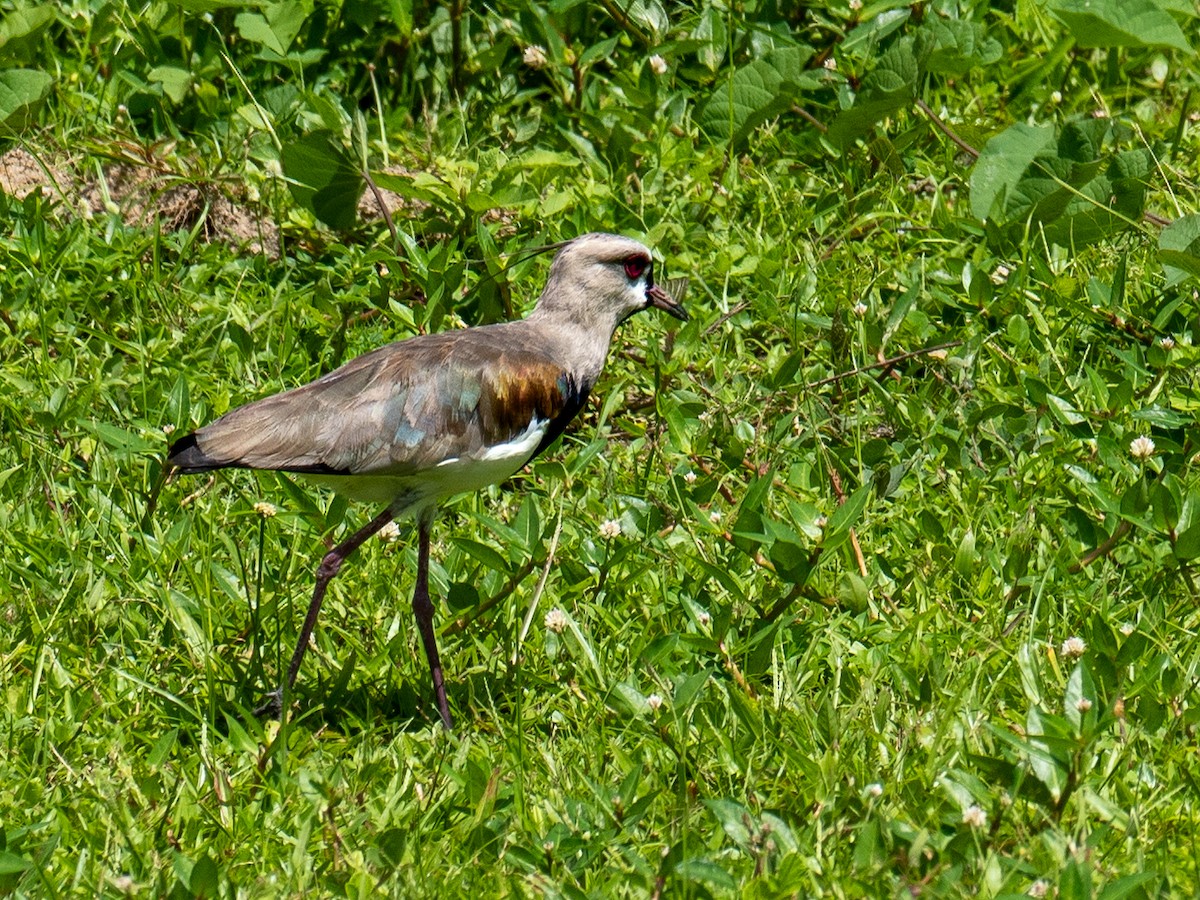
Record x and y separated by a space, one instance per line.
455 475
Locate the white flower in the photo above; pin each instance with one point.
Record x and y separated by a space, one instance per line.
830 64
821 521
690 477
860 309
974 816
856 5
703 617
1000 274
1128 628
658 65
390 533
264 509
610 528
1167 343
874 789
1141 448
655 702
1073 647
714 516
168 428
1039 888
556 620
535 57
1083 704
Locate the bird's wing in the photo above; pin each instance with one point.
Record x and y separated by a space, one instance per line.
397 410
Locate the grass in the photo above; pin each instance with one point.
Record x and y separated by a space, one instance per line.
830 651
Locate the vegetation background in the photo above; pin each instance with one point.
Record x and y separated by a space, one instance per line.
878 578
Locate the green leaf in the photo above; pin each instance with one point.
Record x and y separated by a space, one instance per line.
757 92
176 82
1002 162
21 93
482 553
1179 249
1081 692
276 27
20 29
845 517
1187 545
323 179
204 880
887 88
12 864
1127 886
959 46
1119 23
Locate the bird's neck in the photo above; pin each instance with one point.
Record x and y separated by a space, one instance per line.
581 347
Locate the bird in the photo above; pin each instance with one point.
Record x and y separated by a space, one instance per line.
411 424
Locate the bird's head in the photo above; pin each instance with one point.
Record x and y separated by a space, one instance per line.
600 280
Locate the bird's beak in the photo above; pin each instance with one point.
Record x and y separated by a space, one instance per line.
664 301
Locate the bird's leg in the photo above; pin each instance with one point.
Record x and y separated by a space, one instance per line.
423 610
273 707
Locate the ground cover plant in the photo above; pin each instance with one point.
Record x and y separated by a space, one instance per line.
877 578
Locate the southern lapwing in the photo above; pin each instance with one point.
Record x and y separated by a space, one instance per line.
415 422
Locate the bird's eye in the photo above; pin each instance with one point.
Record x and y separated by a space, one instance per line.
635 266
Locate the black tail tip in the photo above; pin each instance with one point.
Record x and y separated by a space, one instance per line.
186 456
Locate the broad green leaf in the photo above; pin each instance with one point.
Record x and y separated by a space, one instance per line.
175 81
1002 162
1179 249
276 26
12 864
1128 886
959 46
757 92
323 179
20 29
482 553
888 87
1119 23
1187 545
845 517
21 93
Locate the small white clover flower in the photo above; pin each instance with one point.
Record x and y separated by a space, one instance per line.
690 477
859 309
714 516
974 816
1000 274
1073 647
821 522
874 789
1141 448
610 528
1167 343
1128 628
535 56
556 620
168 428
658 65
1039 888
655 702
265 509
389 533
1083 704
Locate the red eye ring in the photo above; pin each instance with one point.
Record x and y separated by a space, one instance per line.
635 266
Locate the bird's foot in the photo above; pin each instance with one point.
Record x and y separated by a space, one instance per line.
272 706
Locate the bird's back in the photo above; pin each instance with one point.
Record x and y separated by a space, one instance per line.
403 410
